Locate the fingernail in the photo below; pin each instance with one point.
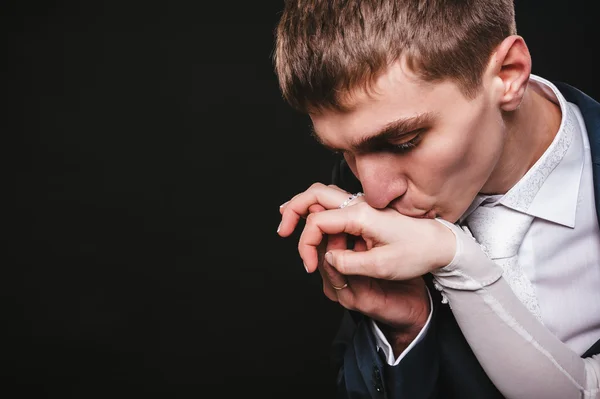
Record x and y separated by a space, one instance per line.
305 268
282 205
329 258
279 227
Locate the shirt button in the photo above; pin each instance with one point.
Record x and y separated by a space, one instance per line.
377 383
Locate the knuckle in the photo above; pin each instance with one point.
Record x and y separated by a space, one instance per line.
316 186
354 225
293 199
379 266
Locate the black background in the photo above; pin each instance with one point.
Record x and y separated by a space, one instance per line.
150 149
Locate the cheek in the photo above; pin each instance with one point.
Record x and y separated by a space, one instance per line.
460 159
473 145
448 155
486 142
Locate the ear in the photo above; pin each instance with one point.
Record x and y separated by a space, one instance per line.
511 64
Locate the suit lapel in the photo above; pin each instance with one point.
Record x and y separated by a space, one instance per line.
590 109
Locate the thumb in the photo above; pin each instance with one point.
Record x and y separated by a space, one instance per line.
314 208
367 263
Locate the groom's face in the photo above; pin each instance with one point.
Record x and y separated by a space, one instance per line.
421 148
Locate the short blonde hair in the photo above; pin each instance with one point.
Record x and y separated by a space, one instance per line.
327 47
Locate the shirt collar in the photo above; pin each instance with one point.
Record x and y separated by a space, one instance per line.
549 190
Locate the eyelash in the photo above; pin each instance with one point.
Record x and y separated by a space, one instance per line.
401 148
407 146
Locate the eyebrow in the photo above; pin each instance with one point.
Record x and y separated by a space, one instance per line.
392 130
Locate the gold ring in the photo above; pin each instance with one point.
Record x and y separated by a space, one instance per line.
339 288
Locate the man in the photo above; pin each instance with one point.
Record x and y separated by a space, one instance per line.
448 142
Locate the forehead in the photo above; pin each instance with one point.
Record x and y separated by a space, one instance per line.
397 93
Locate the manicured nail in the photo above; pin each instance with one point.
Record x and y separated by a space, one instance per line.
282 205
305 268
329 258
279 227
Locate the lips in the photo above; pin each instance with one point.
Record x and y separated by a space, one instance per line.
414 212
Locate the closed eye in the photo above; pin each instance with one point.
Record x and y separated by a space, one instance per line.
402 144
414 138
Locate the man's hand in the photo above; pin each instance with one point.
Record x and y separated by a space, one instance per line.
402 306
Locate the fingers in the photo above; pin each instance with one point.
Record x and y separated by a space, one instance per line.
332 242
357 285
314 208
354 263
359 245
334 278
379 262
331 222
349 297
327 289
327 197
313 190
382 262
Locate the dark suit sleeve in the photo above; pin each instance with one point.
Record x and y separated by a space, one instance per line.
362 371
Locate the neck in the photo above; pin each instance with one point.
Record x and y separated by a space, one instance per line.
530 129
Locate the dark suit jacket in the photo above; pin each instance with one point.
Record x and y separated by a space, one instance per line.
442 365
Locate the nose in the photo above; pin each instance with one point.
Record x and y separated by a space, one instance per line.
382 180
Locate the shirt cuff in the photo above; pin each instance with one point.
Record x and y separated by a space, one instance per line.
470 269
384 345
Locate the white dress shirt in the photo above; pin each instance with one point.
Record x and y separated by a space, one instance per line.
560 253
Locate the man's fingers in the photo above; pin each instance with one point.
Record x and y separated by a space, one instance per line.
334 278
359 245
327 289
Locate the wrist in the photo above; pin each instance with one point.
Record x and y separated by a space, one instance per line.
401 336
400 340
445 240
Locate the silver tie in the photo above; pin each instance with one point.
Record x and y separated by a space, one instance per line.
500 232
